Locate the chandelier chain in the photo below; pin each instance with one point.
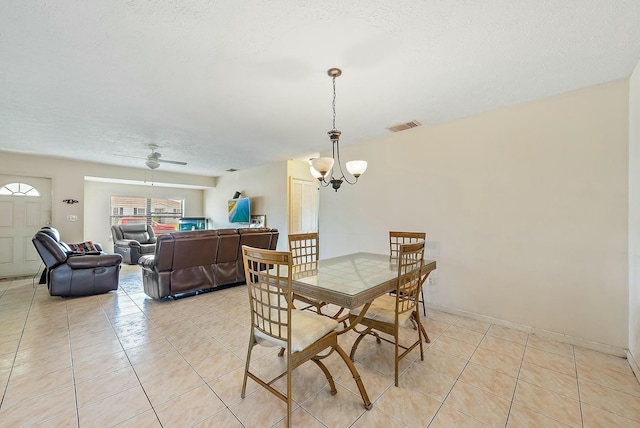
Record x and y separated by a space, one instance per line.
333 104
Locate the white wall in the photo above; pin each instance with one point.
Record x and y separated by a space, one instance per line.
265 185
634 218
97 205
525 210
67 180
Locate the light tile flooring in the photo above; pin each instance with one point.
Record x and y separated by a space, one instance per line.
122 359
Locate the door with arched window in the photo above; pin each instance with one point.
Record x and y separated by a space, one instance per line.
25 206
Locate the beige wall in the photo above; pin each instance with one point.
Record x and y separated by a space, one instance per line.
67 180
266 185
525 210
634 217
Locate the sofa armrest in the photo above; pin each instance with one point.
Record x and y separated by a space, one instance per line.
126 243
91 261
147 262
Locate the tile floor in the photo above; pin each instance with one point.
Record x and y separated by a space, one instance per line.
122 359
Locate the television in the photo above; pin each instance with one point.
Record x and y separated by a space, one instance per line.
239 210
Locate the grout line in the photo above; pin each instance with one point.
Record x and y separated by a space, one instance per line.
15 355
73 371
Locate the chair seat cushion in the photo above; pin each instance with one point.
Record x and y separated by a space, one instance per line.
142 237
306 328
147 248
383 309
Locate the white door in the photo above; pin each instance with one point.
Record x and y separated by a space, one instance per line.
303 207
24 208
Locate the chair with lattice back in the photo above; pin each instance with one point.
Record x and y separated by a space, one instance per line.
304 249
275 322
395 240
389 312
398 238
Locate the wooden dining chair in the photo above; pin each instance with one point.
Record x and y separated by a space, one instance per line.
304 249
274 322
388 313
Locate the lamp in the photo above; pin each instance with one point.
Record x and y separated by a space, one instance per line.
325 169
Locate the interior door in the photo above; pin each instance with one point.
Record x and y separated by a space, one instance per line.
303 207
21 215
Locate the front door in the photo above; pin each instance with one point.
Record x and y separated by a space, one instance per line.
25 206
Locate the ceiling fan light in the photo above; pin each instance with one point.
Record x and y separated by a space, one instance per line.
151 163
322 165
356 167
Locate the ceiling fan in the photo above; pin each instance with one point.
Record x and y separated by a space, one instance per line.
154 159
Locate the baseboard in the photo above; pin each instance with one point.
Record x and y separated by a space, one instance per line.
595 346
634 365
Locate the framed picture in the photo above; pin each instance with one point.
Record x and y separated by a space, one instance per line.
258 220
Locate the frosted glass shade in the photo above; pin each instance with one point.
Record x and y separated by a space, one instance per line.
315 173
356 167
322 165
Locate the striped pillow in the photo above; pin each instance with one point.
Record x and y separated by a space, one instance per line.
84 247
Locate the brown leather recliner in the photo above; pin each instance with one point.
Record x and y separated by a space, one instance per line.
133 240
226 267
70 274
198 260
258 237
183 262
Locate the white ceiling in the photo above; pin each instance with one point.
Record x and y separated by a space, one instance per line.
236 83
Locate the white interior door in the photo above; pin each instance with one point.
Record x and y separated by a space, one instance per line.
303 207
21 215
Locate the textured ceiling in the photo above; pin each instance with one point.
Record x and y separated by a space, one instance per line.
236 83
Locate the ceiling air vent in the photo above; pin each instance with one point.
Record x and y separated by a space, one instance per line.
404 126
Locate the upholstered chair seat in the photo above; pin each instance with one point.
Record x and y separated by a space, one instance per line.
306 328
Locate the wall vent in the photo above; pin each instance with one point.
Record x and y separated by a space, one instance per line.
404 126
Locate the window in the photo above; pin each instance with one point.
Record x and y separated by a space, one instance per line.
18 189
162 214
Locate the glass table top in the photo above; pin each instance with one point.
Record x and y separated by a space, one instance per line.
350 280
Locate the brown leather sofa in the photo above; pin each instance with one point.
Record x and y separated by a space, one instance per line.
200 260
70 274
133 240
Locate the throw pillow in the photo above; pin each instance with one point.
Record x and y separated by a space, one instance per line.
83 247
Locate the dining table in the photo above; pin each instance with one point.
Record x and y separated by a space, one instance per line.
351 281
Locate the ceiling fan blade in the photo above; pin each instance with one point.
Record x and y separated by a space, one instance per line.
170 161
128 156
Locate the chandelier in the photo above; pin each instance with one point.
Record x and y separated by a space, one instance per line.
328 171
